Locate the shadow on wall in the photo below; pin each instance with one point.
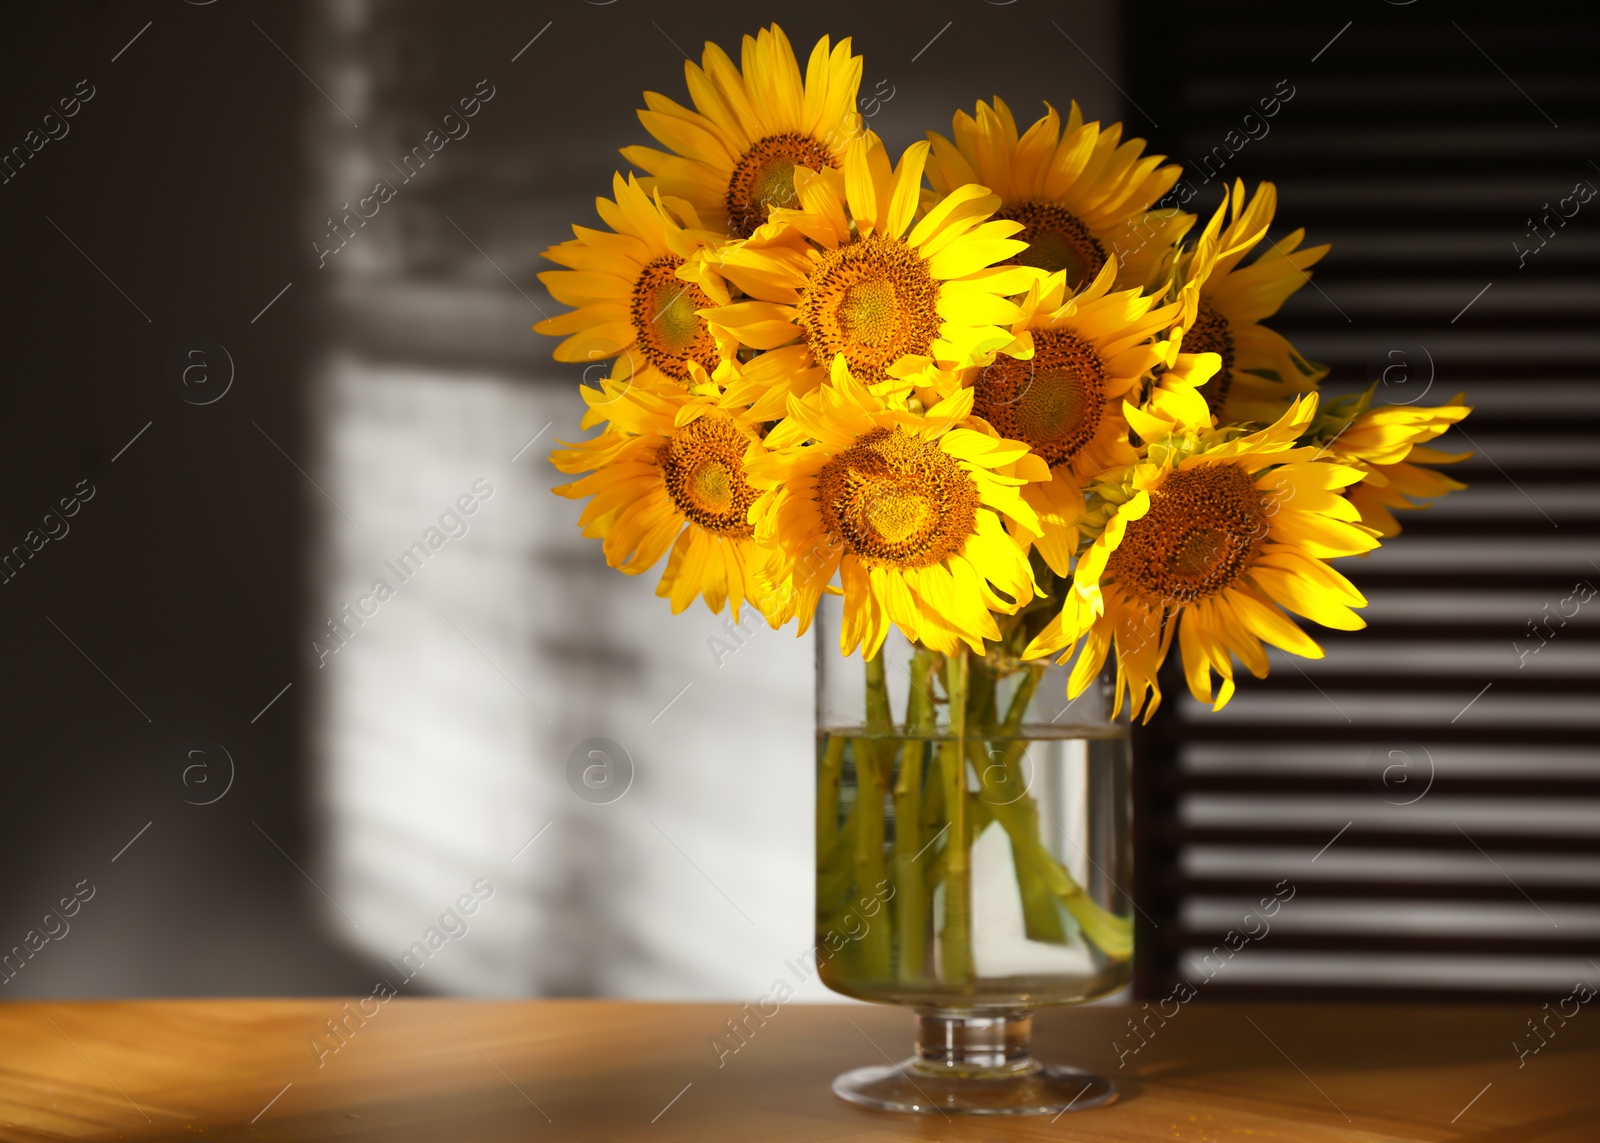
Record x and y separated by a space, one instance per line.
371 385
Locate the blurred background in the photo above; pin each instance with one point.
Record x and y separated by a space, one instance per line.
243 389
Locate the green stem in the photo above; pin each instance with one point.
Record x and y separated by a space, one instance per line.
932 807
1038 871
981 685
875 755
1019 702
1043 881
828 774
955 939
1003 790
836 864
880 720
978 817
1113 935
911 886
1018 816
869 859
1042 919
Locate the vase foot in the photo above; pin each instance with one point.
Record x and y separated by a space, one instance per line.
905 1087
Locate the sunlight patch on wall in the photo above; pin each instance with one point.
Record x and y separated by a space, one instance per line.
480 640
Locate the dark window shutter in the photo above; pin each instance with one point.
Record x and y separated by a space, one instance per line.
1441 766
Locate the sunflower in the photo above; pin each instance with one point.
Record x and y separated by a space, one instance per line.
848 273
1082 195
1386 444
637 289
669 472
1225 304
905 507
1210 540
734 156
1060 387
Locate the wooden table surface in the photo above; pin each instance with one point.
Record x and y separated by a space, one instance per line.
465 1071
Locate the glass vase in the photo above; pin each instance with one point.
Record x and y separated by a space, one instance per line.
973 851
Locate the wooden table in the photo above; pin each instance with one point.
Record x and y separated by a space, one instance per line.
462 1072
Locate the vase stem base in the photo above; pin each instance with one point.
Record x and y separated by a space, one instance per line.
908 1087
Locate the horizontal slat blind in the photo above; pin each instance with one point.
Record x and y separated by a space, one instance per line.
1431 789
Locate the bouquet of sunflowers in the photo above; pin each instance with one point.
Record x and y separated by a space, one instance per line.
991 394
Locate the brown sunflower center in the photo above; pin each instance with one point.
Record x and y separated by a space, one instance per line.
1057 240
1212 334
763 178
670 332
1205 527
898 501
1054 403
872 300
703 469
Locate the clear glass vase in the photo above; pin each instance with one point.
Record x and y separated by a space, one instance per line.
973 851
